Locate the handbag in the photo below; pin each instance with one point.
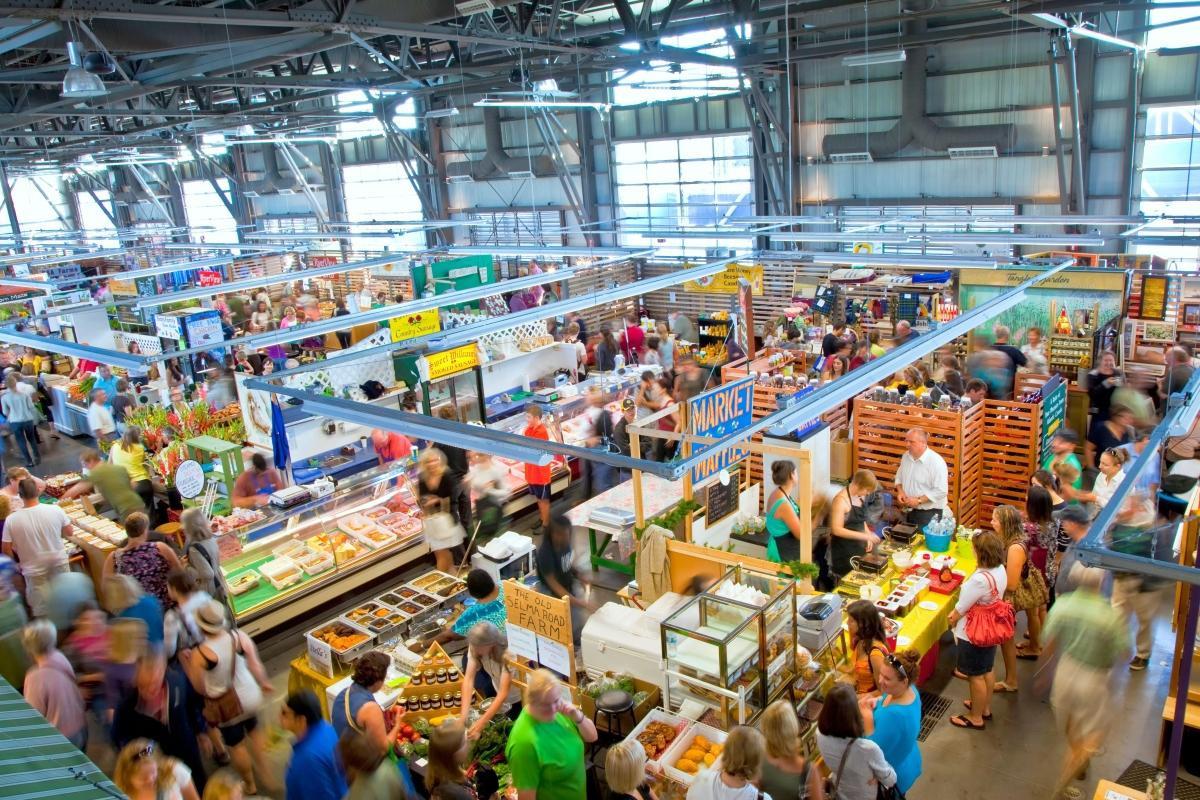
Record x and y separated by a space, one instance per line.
888 792
831 784
442 532
241 698
1032 591
989 624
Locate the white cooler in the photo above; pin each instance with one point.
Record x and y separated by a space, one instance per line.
618 638
516 562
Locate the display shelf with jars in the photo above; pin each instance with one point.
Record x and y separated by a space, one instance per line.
732 647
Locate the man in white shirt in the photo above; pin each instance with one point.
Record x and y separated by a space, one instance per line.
100 418
34 533
922 482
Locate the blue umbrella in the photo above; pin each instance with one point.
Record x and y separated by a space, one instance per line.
279 441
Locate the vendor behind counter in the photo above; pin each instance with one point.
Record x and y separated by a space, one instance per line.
255 486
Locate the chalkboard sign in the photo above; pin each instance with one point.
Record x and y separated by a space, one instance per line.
722 500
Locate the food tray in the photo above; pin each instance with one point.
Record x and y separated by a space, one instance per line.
377 513
390 625
680 724
428 579
281 572
291 549
244 582
427 602
681 745
360 615
343 547
355 524
375 537
447 588
314 563
346 651
391 599
394 520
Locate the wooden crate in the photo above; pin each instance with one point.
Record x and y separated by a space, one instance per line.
1012 434
879 431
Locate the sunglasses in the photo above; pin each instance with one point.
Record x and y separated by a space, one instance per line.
145 752
895 664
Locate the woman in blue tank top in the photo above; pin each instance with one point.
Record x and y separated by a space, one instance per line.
355 707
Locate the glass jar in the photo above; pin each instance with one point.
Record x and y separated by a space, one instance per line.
441 675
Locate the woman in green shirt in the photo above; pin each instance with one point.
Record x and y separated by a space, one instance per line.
545 746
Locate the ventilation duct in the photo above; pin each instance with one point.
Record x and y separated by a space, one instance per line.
915 126
496 161
273 181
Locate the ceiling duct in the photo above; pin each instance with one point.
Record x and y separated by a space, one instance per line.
273 181
496 161
915 125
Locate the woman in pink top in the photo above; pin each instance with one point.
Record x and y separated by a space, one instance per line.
50 684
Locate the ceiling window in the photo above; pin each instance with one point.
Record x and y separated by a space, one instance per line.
665 79
40 204
97 225
207 216
1173 24
1170 178
361 102
380 198
676 183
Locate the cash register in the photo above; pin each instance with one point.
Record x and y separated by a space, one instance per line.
818 620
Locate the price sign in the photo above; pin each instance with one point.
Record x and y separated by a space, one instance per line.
522 642
189 479
320 656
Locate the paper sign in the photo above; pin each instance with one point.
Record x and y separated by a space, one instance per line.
552 655
410 326
189 479
167 326
320 656
727 282
1154 297
451 362
522 642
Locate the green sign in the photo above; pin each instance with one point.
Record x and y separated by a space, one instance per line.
1054 412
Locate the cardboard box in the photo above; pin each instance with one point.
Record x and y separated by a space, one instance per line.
841 457
588 706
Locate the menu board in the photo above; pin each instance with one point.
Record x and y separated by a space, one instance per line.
722 499
1154 297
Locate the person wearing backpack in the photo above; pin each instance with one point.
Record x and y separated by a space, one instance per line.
180 631
982 619
203 557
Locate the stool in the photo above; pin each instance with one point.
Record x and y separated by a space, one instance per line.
172 531
613 705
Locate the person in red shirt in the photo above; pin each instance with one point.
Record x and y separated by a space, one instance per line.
634 342
390 446
537 476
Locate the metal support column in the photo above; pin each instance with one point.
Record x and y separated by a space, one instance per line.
1064 198
285 150
9 207
335 190
1077 155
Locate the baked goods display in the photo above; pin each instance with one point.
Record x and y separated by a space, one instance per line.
656 738
696 750
339 636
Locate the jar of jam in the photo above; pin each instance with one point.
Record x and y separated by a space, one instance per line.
458 698
448 700
425 704
416 679
435 701
414 704
430 675
453 674
441 675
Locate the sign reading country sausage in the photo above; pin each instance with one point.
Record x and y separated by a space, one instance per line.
412 325
451 362
727 282
716 414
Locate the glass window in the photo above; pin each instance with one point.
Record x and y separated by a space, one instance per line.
668 80
92 219
360 102
1170 166
671 183
40 204
377 196
207 215
1181 35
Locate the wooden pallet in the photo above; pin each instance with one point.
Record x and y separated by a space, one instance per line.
1012 433
879 432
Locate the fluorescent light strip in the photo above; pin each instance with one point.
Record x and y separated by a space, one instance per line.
873 59
982 237
541 251
494 103
869 259
66 259
307 330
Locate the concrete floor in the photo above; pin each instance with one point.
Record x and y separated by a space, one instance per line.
1018 756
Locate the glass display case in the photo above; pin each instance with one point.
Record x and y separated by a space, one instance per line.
732 647
300 550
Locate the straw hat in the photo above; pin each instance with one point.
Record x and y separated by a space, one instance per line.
211 617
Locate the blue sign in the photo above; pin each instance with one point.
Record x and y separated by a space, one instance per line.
1054 411
716 414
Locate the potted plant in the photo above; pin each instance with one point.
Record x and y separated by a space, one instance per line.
803 572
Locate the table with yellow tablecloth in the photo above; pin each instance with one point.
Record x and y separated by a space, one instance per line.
303 676
921 628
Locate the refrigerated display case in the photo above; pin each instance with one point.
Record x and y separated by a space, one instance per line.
296 559
732 647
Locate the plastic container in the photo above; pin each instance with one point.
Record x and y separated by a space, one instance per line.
681 725
281 572
937 542
682 744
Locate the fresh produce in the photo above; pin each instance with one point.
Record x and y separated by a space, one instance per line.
490 744
81 391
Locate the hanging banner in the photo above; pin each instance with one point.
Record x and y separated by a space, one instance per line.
410 326
726 282
1054 411
436 366
209 277
323 261
716 414
1154 297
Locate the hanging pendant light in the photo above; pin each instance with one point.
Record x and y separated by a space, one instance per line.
78 82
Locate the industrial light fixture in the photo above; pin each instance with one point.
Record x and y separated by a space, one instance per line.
850 158
469 7
78 82
441 113
520 174
972 152
503 102
874 59
459 179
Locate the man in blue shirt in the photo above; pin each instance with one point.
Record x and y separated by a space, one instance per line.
107 381
488 607
314 772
